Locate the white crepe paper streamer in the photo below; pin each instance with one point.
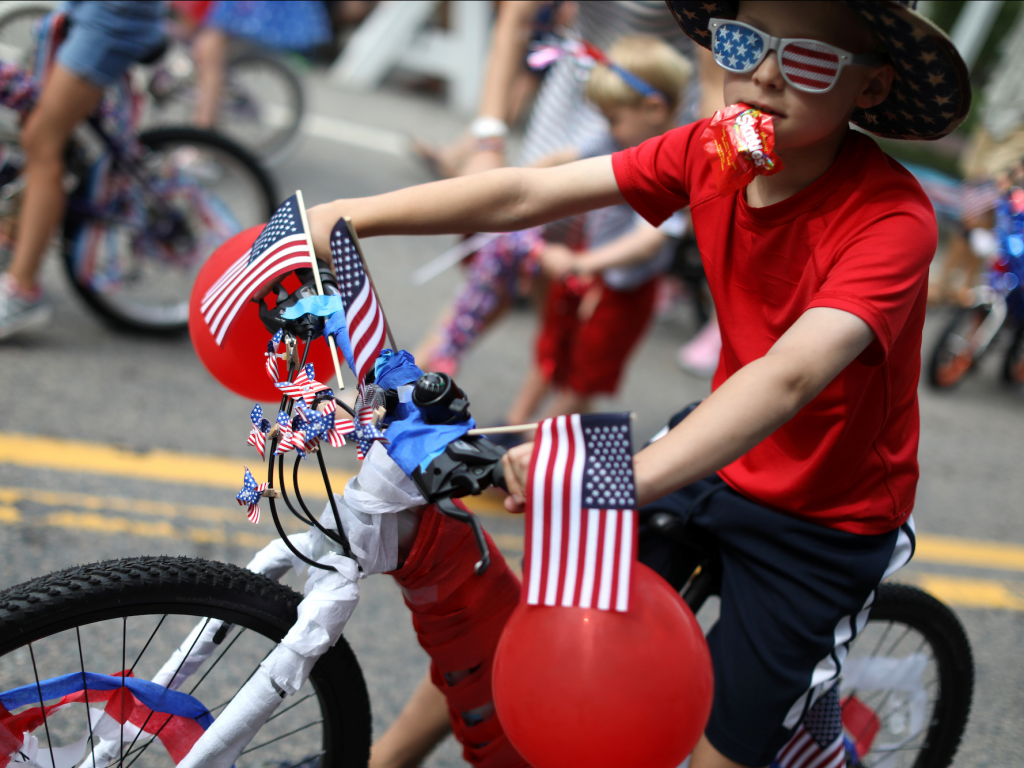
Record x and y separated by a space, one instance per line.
892 674
190 655
243 717
275 559
331 597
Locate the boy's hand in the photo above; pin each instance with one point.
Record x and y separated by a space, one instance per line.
516 464
557 261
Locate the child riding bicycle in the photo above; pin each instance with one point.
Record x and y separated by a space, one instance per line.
803 460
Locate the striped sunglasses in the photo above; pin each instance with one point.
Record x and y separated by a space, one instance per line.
807 65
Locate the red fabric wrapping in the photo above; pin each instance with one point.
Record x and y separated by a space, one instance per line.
458 617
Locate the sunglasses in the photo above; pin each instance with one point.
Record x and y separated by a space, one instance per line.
807 65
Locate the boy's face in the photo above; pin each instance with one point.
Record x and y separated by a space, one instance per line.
632 125
803 119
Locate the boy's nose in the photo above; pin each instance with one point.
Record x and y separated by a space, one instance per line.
768 75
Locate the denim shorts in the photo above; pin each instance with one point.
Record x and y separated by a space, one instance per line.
107 36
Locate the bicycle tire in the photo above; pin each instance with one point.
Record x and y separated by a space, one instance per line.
1013 363
277 122
950 361
167 312
901 604
83 598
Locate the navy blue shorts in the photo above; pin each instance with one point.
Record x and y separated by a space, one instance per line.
794 595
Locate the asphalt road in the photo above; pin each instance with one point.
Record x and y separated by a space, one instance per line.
83 408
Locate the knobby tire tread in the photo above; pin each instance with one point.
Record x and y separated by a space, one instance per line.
164 584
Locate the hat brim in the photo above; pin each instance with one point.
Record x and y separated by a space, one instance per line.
931 93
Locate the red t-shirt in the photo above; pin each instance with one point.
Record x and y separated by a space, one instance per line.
860 239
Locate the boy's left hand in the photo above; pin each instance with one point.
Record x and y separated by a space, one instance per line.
516 463
557 261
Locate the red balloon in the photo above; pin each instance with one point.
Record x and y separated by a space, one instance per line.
240 364
579 686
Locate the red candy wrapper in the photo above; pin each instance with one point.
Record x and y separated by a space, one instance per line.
740 141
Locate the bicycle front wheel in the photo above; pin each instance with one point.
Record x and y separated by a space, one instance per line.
958 347
132 615
135 254
907 682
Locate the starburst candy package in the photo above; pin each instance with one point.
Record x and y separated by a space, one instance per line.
740 143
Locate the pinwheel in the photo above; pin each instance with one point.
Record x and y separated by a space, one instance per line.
273 355
251 494
304 387
336 428
260 430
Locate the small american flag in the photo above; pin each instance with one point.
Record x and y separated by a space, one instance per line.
810 64
260 428
581 523
304 387
818 741
273 355
250 494
281 247
363 315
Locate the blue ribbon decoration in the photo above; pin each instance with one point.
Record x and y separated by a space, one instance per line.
321 306
154 696
338 328
414 443
395 369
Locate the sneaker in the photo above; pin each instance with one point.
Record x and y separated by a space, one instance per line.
699 356
18 311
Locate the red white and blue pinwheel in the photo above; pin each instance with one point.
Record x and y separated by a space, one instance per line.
260 430
305 386
250 495
273 355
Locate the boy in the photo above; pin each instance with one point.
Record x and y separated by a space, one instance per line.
600 300
819 274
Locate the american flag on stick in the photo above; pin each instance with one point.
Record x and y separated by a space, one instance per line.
581 523
281 247
367 328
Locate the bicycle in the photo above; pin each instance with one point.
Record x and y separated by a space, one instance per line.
263 100
144 210
997 304
909 674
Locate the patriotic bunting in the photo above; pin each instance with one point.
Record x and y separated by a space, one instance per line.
581 523
250 494
363 314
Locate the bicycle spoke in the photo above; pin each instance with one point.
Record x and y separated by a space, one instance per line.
42 706
151 636
292 706
85 690
217 660
283 736
124 642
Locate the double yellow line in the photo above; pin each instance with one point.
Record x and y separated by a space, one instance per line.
105 514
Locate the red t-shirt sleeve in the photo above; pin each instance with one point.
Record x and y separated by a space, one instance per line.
880 273
657 177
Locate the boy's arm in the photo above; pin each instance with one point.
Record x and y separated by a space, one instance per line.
561 157
743 411
502 200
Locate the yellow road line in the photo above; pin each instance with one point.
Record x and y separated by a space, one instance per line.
161 466
950 550
972 593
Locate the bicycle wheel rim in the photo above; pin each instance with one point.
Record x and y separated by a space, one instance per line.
262 103
907 683
133 632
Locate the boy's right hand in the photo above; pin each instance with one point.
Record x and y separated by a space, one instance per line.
516 463
557 261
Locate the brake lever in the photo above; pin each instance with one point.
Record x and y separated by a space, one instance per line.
467 467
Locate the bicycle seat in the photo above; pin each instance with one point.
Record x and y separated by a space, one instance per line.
156 53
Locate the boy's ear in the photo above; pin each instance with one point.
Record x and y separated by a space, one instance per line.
876 87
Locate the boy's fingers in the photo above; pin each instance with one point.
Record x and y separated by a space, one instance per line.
516 463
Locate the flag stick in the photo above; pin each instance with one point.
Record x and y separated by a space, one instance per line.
319 285
512 429
366 269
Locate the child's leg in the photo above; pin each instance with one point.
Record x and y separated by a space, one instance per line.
420 727
567 401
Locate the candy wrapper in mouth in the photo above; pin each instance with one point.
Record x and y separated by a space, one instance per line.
739 142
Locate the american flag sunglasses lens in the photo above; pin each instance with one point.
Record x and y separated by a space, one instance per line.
737 48
809 65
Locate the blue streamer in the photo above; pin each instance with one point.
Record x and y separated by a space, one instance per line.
154 696
414 443
338 328
321 306
395 369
